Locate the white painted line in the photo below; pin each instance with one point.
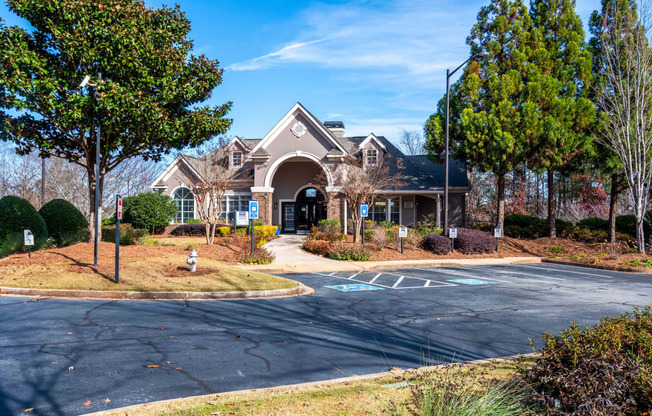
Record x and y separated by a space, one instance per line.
376 277
569 271
400 279
354 275
539 276
439 284
427 283
455 273
330 274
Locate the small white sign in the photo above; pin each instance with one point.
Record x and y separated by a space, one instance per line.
241 218
29 238
452 232
498 232
402 232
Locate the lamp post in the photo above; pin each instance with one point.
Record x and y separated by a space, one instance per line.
449 74
84 83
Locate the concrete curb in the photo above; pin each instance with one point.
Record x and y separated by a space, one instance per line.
593 266
319 384
377 265
299 290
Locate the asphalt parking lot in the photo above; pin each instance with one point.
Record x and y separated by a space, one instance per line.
56 354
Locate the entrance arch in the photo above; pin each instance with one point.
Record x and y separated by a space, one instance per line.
269 177
309 208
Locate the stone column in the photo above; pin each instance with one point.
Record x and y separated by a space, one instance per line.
334 209
264 206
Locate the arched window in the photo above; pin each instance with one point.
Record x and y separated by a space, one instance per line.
185 204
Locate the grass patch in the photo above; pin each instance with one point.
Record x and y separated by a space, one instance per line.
164 273
638 263
364 397
557 249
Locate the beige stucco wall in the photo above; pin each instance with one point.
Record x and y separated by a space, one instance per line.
289 178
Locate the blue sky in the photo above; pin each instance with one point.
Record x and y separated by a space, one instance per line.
378 66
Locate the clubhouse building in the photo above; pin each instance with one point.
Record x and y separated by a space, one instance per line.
300 148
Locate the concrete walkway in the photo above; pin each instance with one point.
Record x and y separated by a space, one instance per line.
291 259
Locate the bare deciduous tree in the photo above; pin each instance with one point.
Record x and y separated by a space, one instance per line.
362 183
412 142
217 175
626 97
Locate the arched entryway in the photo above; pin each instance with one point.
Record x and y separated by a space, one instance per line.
306 211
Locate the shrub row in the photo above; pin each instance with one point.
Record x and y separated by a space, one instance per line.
468 241
602 370
199 230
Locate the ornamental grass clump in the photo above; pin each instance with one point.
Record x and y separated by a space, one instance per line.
474 241
436 243
605 369
342 251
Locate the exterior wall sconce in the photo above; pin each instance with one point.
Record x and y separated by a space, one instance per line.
275 205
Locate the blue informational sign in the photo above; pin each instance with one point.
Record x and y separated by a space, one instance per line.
364 210
253 210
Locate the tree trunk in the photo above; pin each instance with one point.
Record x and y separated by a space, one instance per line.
640 234
357 226
207 225
551 203
500 206
613 207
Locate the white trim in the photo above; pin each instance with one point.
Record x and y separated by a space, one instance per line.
274 167
232 153
346 217
236 139
374 138
262 189
165 175
278 128
333 189
280 211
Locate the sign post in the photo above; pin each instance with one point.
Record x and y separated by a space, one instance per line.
118 218
402 233
29 241
452 234
253 215
498 232
364 213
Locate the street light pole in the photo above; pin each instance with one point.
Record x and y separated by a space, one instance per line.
449 74
97 175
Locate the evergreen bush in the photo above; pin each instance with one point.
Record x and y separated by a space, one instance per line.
149 210
594 224
17 215
436 243
470 241
65 223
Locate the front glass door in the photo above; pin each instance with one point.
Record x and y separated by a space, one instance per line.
310 209
288 217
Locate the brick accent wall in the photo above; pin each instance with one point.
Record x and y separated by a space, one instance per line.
334 209
264 206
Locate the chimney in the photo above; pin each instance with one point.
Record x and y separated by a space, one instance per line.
336 127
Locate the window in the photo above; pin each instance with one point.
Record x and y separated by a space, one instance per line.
185 205
395 210
236 159
231 204
379 211
372 157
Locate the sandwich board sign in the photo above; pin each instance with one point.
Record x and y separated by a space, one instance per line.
253 210
241 218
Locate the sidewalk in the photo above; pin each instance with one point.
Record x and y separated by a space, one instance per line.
291 259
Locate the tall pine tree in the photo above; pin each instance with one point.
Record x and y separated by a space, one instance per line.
558 114
492 124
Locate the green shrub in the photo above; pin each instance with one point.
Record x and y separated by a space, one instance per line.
149 210
65 223
524 220
341 251
193 221
108 221
128 235
601 370
562 227
17 215
557 249
261 255
594 224
331 226
386 224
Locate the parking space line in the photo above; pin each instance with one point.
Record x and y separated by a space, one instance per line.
354 275
376 277
566 271
427 283
400 279
522 274
456 273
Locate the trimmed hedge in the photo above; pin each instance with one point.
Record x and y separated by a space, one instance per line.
65 223
189 230
470 241
594 224
149 210
17 215
437 243
199 230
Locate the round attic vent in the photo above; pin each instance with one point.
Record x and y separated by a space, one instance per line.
299 129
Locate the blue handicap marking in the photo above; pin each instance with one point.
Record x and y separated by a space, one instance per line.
354 288
471 282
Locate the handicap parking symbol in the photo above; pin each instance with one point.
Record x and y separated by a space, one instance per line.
472 282
354 288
